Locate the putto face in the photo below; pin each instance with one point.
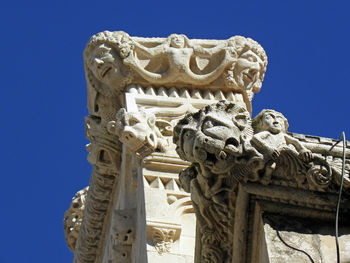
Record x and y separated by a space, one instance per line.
247 71
103 64
273 122
177 41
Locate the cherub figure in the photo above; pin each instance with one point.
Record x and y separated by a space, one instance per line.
270 128
179 51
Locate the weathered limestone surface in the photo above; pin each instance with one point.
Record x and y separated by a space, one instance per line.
242 168
153 100
314 237
138 88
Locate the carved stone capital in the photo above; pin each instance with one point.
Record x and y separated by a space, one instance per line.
114 59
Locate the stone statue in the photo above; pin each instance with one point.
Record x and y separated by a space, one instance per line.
271 139
271 136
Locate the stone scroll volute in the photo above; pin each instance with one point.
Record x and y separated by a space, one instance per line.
227 148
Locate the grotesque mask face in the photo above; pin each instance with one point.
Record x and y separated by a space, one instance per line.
188 143
223 135
215 137
273 122
247 71
102 62
177 41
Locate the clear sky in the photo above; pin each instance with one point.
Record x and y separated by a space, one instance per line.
43 153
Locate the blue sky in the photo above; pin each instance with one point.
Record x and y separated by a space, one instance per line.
44 158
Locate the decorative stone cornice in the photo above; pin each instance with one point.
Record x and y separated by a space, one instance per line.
169 77
230 152
114 59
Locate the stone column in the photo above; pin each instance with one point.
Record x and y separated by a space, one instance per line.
136 209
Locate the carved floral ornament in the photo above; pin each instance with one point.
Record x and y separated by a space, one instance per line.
114 60
163 239
226 147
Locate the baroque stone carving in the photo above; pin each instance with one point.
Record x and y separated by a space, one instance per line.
177 51
174 67
247 73
103 56
215 139
73 218
104 156
114 60
219 142
138 131
163 239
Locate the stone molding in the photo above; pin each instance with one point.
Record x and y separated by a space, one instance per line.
114 60
236 159
157 81
143 87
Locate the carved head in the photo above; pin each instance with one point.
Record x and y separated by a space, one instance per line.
103 61
135 129
247 73
177 41
214 136
270 120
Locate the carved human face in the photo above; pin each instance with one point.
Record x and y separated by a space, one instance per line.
273 122
102 62
247 71
177 41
